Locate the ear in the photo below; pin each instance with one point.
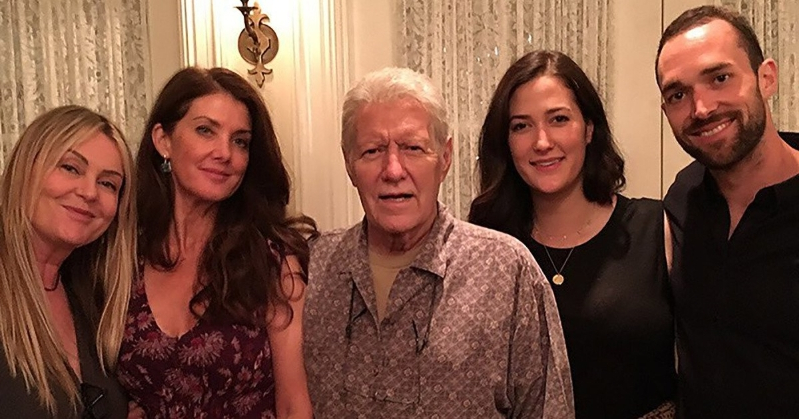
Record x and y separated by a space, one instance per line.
350 174
767 78
161 140
446 157
589 132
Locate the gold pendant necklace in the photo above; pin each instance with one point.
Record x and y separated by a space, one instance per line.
558 278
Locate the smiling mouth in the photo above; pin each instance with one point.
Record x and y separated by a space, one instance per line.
79 211
547 163
712 131
216 173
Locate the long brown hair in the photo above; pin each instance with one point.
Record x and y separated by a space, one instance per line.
505 201
252 234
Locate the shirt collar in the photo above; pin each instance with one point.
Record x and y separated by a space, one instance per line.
783 193
431 258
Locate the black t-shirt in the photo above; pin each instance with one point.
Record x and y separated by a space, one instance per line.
736 300
615 310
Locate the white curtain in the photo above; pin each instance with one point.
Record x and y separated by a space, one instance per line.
85 52
465 46
776 23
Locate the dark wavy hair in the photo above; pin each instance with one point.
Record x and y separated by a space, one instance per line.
505 202
240 266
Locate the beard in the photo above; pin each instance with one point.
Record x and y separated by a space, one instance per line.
723 156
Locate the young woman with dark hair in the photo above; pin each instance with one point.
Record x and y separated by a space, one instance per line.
550 175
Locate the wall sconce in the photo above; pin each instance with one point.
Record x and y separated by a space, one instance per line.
258 43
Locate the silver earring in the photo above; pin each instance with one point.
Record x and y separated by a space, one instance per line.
166 165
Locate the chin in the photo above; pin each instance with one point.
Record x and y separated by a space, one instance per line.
216 197
394 226
549 190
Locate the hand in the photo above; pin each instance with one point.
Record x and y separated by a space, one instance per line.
135 411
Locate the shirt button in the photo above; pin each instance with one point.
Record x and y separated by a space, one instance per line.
380 395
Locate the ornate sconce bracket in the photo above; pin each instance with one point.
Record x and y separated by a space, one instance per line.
258 42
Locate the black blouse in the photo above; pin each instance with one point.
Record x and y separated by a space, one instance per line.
616 313
103 393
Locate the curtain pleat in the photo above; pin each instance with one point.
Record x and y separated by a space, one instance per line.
85 52
776 23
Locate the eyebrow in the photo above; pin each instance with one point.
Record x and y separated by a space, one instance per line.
715 68
85 161
548 112
710 70
216 124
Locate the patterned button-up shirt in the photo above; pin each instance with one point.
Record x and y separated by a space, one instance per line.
471 331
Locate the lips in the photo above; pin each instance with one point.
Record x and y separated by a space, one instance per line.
547 164
79 213
395 197
717 129
217 174
706 129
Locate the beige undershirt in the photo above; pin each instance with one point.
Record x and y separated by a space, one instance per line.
384 272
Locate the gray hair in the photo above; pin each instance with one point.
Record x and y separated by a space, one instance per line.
387 85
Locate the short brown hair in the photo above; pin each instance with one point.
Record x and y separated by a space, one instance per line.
701 15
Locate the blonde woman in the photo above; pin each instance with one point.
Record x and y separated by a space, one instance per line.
67 240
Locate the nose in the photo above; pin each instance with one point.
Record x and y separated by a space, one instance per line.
704 104
87 189
541 142
222 150
394 166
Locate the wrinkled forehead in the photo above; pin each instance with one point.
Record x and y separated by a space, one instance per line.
394 118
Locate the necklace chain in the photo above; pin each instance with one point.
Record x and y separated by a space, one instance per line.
538 233
558 278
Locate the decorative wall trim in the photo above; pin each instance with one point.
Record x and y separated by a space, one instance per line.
304 94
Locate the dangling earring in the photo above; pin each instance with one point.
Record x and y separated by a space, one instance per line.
166 165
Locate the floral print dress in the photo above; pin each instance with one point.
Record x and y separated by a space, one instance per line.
212 371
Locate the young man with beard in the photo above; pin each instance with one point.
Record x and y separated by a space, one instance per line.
734 215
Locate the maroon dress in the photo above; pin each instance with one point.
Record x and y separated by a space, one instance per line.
212 371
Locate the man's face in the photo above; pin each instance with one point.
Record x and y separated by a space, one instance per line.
711 96
397 168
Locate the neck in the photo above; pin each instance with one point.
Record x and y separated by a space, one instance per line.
48 261
771 162
391 244
568 219
194 222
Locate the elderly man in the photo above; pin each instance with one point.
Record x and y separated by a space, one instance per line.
734 216
412 313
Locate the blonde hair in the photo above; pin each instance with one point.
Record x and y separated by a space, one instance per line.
106 266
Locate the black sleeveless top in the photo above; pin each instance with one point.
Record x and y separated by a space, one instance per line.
615 308
102 392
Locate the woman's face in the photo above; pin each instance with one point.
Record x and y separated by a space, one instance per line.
548 136
208 148
79 196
